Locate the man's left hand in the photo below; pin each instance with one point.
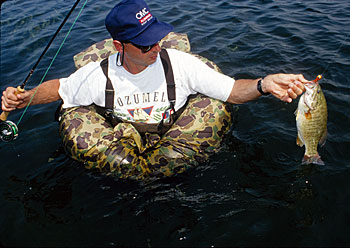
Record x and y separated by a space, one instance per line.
285 87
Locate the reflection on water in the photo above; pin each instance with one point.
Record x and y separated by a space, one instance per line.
253 192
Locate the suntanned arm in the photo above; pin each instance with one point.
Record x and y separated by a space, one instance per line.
285 87
45 93
244 90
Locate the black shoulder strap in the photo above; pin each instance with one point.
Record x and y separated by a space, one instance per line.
169 76
109 93
170 81
168 70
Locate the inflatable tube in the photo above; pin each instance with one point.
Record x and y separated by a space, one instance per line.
121 151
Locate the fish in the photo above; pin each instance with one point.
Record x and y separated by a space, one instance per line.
311 121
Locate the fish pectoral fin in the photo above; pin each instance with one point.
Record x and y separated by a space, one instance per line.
300 141
308 115
323 138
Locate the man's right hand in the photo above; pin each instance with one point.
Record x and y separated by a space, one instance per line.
45 93
12 100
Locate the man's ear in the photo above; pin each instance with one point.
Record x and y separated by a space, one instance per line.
118 45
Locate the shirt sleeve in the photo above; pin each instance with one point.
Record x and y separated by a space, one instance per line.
79 89
200 78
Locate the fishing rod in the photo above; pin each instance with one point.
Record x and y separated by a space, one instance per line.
8 129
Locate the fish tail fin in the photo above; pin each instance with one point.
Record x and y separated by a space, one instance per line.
316 159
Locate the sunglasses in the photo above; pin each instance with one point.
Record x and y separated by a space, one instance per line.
144 49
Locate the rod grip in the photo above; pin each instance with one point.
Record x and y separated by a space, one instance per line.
4 114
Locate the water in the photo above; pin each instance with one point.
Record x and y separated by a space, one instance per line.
254 192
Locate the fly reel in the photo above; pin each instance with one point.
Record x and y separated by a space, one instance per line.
8 131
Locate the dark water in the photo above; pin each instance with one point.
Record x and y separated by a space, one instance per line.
254 192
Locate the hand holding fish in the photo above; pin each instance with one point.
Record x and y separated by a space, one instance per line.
285 87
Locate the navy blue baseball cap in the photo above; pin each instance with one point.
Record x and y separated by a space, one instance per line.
131 20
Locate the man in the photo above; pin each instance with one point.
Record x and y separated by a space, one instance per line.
137 71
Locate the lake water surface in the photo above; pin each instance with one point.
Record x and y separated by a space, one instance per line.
253 192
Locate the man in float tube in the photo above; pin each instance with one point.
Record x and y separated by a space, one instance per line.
137 74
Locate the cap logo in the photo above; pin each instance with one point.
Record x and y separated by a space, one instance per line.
144 16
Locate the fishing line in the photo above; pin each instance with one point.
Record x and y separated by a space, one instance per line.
8 129
336 54
53 59
49 44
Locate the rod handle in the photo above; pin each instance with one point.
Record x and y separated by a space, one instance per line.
4 114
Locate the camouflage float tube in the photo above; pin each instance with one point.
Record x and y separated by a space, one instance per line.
121 151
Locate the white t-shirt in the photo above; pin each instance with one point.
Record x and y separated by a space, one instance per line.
143 97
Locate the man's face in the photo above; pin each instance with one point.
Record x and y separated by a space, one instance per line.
136 56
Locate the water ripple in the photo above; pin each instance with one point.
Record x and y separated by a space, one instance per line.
242 196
